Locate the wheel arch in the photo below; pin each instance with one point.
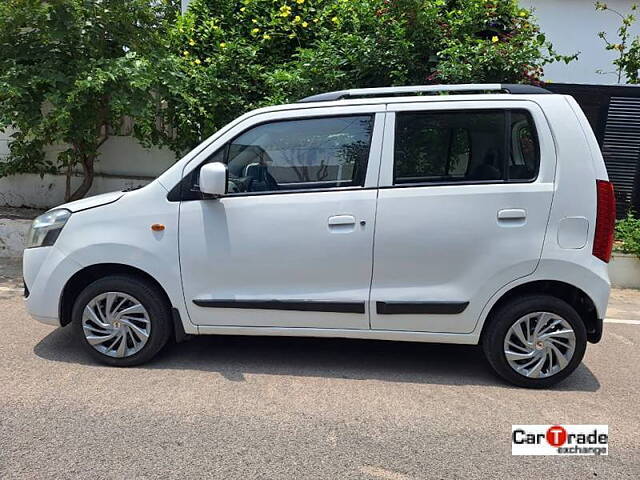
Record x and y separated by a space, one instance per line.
574 296
79 280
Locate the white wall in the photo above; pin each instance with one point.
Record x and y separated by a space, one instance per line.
572 26
31 190
123 156
123 163
4 145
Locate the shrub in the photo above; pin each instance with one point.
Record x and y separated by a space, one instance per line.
628 235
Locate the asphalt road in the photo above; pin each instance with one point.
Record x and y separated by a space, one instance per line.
233 407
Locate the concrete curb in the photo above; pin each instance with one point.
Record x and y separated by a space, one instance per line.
13 233
624 270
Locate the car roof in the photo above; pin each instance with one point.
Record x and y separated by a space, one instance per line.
512 88
414 93
399 100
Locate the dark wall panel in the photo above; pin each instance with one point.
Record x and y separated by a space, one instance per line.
614 114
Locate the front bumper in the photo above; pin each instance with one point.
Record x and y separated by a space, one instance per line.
55 322
46 270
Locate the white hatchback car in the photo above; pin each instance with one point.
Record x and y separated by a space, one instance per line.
483 216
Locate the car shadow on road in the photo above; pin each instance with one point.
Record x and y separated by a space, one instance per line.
233 357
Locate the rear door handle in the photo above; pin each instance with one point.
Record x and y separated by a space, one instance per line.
512 214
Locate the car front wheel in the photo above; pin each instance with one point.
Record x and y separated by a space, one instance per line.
122 320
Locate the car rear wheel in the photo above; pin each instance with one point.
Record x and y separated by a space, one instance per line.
122 320
535 341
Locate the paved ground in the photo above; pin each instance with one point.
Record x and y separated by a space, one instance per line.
248 408
19 213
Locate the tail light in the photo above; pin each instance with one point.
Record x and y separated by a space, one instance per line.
605 220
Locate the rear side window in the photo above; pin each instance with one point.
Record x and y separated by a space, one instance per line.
525 153
465 146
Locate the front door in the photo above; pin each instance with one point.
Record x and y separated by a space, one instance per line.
465 195
291 245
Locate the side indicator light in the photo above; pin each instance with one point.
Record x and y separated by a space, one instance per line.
157 227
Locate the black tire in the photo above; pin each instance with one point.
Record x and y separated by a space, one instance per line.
152 300
506 315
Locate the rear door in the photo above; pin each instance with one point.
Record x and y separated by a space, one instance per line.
464 200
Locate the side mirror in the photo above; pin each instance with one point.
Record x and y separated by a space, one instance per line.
213 179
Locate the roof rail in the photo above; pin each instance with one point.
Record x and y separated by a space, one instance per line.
390 91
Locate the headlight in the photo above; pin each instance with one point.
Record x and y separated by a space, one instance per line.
46 228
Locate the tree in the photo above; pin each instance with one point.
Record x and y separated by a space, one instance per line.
236 55
628 48
70 71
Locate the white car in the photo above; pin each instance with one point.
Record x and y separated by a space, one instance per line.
479 216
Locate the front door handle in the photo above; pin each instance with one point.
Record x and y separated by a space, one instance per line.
342 220
512 214
342 223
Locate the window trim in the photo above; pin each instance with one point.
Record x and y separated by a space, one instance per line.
536 138
182 191
300 190
507 111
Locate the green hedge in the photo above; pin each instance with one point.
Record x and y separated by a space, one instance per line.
628 235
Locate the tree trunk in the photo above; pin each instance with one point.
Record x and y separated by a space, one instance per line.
87 179
67 186
87 158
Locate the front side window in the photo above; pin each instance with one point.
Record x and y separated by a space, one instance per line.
465 146
314 153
